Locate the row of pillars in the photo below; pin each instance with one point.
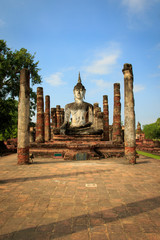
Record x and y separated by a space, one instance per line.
43 119
57 116
116 132
43 126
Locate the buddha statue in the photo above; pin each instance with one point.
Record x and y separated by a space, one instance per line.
81 114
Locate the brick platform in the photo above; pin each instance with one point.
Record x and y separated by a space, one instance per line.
68 148
53 199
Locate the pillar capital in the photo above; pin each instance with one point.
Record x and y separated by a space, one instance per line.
127 68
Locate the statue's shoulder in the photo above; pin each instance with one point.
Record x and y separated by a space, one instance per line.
88 104
69 105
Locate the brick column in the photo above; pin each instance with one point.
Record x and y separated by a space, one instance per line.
40 116
23 117
62 115
95 113
129 114
105 118
116 134
58 114
47 119
54 118
99 120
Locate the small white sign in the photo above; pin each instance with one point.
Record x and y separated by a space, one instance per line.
91 185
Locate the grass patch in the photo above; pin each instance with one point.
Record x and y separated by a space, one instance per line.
149 155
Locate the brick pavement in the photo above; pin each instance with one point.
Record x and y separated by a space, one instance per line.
79 200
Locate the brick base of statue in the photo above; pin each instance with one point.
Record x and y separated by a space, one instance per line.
73 148
23 155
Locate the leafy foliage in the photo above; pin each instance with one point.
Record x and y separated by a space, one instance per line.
10 65
152 131
8 118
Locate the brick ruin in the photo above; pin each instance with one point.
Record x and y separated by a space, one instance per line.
48 141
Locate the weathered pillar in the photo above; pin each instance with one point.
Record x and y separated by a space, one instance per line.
31 134
23 117
105 118
90 115
99 120
95 113
62 115
129 114
54 118
40 116
116 134
58 114
47 131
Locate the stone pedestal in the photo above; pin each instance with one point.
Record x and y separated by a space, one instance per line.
105 118
40 116
23 118
116 134
47 119
129 131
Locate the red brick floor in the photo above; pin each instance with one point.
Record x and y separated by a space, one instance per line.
79 200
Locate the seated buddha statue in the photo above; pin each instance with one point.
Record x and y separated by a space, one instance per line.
81 113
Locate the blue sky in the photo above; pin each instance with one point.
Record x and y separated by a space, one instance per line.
95 37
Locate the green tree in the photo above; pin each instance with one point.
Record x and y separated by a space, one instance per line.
10 65
9 126
152 131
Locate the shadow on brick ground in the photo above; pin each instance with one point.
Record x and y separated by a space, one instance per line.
80 223
50 176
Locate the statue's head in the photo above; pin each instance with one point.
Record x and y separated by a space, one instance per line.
79 90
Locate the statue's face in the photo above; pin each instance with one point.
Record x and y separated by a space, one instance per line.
79 94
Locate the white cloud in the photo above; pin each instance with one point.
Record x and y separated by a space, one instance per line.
2 23
135 5
55 79
138 88
138 6
155 75
158 46
158 66
103 65
104 60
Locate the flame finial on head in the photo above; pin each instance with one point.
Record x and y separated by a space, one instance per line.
79 78
79 84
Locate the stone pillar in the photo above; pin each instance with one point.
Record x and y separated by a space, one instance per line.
40 116
129 114
99 120
90 115
31 134
54 118
62 115
58 114
47 119
23 117
95 113
105 118
116 134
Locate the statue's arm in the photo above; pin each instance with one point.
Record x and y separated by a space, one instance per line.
67 114
90 114
66 120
